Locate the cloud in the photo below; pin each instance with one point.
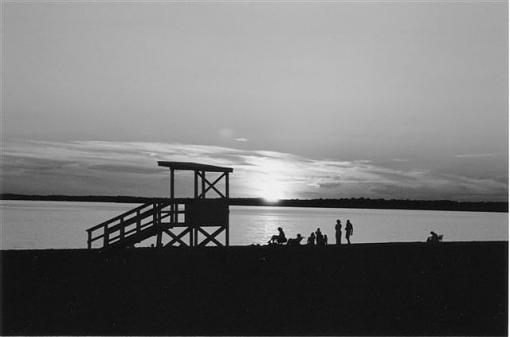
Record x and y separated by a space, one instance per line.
130 168
480 155
228 134
123 169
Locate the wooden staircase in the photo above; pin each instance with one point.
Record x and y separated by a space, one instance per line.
145 221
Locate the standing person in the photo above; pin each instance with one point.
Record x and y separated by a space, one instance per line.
338 232
319 237
348 231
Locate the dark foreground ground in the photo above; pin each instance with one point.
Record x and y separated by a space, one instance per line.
377 289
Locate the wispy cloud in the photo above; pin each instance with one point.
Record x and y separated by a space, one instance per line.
227 134
97 167
480 155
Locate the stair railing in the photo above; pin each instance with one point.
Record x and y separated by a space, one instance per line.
132 222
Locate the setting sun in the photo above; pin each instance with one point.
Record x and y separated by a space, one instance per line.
272 190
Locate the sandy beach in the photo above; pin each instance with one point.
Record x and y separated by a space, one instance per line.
364 289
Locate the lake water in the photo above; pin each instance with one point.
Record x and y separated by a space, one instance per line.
44 224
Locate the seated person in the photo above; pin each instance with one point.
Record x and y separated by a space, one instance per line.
319 237
434 238
296 241
311 240
280 238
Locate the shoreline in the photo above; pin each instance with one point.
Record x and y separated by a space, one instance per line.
260 246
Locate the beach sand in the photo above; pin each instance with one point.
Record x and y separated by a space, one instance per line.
364 289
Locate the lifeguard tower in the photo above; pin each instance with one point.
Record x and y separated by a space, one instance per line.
191 222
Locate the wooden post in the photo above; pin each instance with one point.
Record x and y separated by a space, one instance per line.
138 221
89 240
203 185
227 195
106 236
196 184
172 202
121 224
155 223
203 197
192 233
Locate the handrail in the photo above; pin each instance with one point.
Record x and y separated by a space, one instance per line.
135 215
128 233
129 221
118 217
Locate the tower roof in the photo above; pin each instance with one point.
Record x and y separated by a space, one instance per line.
187 166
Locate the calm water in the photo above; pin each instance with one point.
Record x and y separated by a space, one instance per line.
43 224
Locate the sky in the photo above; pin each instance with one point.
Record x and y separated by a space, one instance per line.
303 99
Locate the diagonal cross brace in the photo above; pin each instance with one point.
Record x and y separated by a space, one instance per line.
211 237
177 238
211 185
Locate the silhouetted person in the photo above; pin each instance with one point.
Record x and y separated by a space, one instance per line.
338 232
319 237
280 238
296 241
348 231
434 238
325 240
311 240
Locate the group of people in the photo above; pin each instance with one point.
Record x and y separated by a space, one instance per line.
315 239
349 231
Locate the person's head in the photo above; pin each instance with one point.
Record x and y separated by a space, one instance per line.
299 236
338 221
318 229
348 221
312 235
280 229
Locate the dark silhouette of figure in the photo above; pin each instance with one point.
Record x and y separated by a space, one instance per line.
296 241
319 237
280 238
338 232
311 240
434 238
348 231
325 240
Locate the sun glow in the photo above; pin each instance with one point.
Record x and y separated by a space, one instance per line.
272 190
271 178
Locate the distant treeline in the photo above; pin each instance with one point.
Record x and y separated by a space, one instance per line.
443 205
